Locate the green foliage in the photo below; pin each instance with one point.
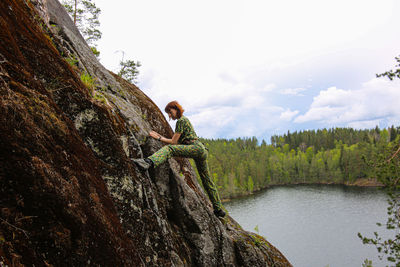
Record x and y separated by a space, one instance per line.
250 184
329 138
95 51
88 81
85 15
386 166
391 74
387 169
259 240
242 166
72 61
367 263
100 97
256 229
128 69
91 15
389 248
48 37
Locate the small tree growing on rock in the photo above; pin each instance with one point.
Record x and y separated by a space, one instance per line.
85 15
128 69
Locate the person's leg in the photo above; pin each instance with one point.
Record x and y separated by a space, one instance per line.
166 152
208 184
161 156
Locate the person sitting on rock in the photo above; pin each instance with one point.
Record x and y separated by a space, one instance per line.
184 143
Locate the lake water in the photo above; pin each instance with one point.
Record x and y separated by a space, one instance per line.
315 226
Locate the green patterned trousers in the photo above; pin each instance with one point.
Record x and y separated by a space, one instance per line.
199 153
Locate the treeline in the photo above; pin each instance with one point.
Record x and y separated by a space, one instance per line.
341 155
326 138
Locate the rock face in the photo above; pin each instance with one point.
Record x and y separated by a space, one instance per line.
70 195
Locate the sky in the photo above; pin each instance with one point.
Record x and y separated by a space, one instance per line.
259 68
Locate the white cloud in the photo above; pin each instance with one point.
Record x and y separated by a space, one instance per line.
375 103
293 91
232 122
333 97
230 33
368 124
287 115
231 111
224 59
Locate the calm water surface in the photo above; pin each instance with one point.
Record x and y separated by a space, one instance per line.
315 226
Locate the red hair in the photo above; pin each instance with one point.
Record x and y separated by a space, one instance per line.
175 105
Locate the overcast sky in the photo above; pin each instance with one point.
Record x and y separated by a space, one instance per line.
258 68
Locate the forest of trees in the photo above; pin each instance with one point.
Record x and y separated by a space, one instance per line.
340 155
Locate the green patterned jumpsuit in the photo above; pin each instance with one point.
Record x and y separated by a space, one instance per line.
190 147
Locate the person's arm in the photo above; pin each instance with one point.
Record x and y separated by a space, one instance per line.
172 141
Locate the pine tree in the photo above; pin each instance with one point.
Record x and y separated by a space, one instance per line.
85 15
128 69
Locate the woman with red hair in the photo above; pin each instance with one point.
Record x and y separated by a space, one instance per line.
184 143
